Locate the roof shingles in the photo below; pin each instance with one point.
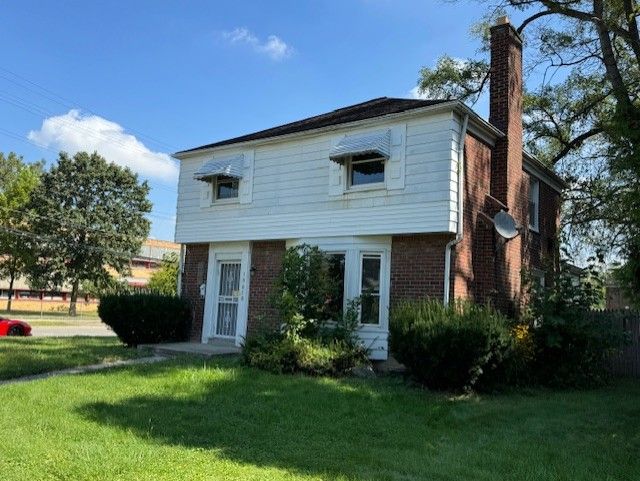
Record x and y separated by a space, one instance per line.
365 110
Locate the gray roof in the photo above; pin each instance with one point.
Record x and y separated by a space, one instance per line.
365 110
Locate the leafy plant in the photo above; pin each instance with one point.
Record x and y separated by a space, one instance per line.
572 346
458 347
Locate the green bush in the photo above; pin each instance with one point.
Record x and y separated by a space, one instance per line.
572 345
459 347
282 354
146 318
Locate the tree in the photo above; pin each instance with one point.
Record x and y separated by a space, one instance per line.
90 218
582 108
17 181
165 279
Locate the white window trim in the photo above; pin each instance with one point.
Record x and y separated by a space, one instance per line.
362 187
361 256
229 200
534 196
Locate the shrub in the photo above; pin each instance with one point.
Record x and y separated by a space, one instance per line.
572 346
146 318
281 354
458 347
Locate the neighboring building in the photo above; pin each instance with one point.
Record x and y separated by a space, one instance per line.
616 298
149 260
142 268
377 185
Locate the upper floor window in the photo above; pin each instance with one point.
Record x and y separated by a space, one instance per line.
534 204
366 169
225 188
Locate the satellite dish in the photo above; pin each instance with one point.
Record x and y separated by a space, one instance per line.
505 225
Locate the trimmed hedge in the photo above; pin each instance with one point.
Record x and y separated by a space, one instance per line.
146 318
459 347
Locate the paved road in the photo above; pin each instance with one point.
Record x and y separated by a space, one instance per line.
68 331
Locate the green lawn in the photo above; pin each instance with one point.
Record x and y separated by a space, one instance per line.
22 356
197 420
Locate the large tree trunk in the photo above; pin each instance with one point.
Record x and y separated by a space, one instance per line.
74 298
12 278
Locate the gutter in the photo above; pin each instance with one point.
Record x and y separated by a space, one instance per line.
482 126
460 227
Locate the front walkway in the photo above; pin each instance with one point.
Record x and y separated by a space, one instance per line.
85 369
194 348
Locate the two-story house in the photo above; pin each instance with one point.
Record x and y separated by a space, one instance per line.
401 192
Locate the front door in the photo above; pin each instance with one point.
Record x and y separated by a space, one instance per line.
228 299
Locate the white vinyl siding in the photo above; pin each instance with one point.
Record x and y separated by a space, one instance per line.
291 195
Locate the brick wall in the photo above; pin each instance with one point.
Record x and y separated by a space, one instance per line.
194 274
473 263
417 266
540 249
266 265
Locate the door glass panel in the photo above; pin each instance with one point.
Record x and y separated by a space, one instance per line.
370 290
228 296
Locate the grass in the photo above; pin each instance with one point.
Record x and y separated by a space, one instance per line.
22 356
196 420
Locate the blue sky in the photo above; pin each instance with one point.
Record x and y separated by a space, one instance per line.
138 80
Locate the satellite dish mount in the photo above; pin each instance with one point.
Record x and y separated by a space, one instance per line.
505 225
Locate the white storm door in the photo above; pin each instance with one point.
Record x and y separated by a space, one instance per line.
227 299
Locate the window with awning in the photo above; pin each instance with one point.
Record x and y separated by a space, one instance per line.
377 144
230 167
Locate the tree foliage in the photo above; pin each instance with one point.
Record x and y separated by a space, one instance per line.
91 219
17 182
165 279
582 107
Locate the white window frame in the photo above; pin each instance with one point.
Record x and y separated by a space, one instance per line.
371 186
362 255
534 198
228 200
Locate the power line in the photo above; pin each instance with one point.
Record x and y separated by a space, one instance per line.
65 222
23 138
52 96
54 240
39 112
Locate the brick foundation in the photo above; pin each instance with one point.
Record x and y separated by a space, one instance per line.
196 261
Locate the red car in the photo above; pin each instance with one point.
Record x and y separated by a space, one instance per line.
13 327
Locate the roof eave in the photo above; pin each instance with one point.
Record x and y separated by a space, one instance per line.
444 106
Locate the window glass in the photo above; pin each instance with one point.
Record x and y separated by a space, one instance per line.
366 169
370 289
335 267
534 186
226 187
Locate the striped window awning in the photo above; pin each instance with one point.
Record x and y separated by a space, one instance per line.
372 143
229 167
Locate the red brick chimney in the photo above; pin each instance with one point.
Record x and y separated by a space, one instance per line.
505 111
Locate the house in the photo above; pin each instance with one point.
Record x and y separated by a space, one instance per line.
143 266
401 192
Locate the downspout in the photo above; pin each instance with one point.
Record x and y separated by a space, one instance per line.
460 230
180 269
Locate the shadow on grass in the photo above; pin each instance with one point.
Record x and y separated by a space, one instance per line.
310 426
351 429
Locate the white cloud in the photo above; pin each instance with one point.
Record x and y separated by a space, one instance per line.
75 131
415 93
274 47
